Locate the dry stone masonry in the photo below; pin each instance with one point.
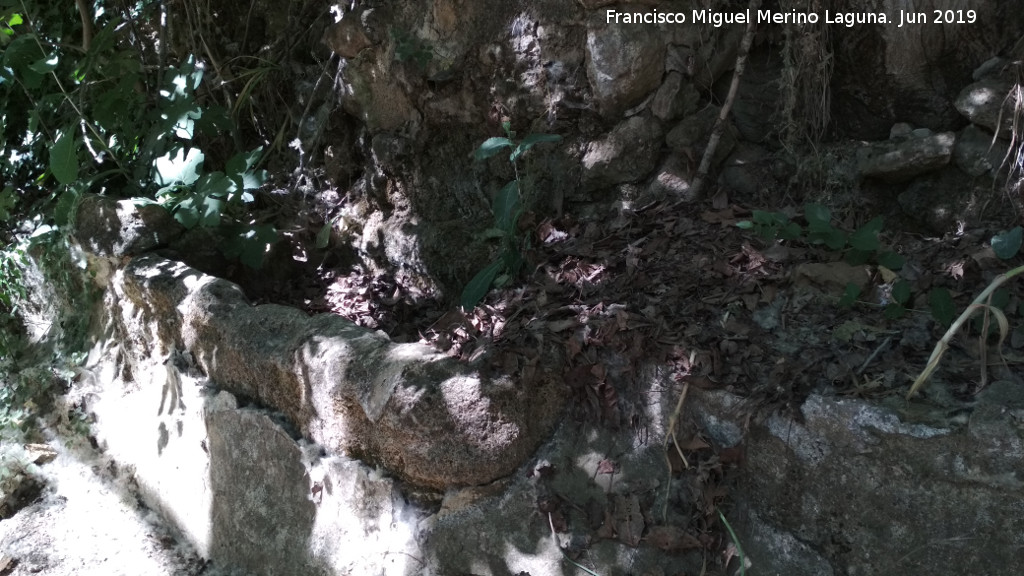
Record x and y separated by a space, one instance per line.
287 444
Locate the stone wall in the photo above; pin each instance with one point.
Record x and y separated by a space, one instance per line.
423 84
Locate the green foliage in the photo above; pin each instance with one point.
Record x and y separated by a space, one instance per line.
104 120
1007 244
507 208
23 395
860 246
940 301
12 293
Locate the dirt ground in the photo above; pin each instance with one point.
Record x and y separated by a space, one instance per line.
76 513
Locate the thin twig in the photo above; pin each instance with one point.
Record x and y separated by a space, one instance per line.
716 133
882 346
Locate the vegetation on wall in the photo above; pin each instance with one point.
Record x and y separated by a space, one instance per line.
93 101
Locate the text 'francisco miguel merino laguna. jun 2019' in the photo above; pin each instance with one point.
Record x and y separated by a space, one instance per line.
899 18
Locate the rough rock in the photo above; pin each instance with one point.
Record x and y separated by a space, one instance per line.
238 485
627 154
675 98
423 416
744 170
755 112
672 179
941 200
986 104
624 65
690 136
873 493
902 160
881 74
371 92
115 228
347 38
508 531
977 154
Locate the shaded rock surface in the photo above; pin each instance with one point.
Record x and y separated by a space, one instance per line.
116 228
904 160
627 154
976 153
420 414
855 488
624 64
989 103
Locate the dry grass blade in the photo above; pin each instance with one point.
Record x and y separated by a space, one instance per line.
979 303
672 434
1004 329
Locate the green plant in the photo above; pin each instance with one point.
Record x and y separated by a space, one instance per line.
23 396
507 208
98 118
1007 244
858 247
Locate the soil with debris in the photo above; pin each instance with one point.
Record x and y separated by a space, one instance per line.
68 510
683 286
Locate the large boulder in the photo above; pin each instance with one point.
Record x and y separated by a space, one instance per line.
902 160
851 487
989 103
113 228
627 154
625 64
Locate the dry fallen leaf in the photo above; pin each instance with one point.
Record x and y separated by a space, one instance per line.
672 539
629 521
606 467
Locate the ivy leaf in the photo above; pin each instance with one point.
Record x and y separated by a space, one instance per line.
818 217
323 237
244 161
64 158
855 257
901 292
791 231
181 168
894 311
8 199
20 55
186 213
834 238
213 207
850 295
249 244
480 284
215 184
891 260
941 303
44 65
1007 244
866 237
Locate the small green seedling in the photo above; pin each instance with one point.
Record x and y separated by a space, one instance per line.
507 208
